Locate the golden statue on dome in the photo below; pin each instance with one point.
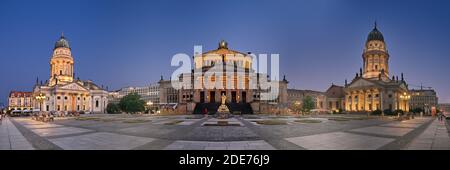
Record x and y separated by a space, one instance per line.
223 44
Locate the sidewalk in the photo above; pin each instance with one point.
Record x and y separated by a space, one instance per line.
435 137
11 138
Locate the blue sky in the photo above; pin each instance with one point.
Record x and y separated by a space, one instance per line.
120 43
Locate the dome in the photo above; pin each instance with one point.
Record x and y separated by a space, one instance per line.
62 42
375 35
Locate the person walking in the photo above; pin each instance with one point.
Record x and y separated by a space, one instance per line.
439 115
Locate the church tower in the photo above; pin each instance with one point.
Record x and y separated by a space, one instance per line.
61 63
376 56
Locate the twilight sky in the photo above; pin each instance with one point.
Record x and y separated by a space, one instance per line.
121 43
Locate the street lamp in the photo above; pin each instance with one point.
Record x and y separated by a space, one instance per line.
297 106
40 98
405 97
149 104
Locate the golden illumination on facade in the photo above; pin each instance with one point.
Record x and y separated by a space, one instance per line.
372 89
62 92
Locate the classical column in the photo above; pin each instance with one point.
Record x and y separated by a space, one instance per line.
92 104
364 105
352 99
373 100
63 101
380 100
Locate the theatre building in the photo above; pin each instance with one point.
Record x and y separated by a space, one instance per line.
234 80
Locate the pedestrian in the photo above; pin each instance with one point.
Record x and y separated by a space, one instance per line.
439 115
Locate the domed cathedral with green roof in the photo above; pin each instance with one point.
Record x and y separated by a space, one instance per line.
373 88
62 92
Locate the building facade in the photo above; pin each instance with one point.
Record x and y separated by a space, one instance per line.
373 89
426 100
156 96
335 98
444 107
295 97
226 72
148 94
20 101
62 92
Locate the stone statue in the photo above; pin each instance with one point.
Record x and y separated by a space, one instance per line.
223 111
224 98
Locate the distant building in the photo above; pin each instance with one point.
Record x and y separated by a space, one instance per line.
156 96
20 101
445 107
424 99
335 98
296 97
329 101
148 93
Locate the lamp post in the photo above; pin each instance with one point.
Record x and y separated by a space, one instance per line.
149 104
405 97
297 106
40 98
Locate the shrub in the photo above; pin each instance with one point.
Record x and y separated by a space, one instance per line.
376 112
132 103
417 110
388 112
112 108
399 112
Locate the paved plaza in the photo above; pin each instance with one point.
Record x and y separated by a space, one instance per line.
199 132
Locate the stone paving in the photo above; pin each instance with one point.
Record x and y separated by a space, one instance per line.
340 141
230 121
47 132
187 132
367 138
386 131
235 145
100 141
435 137
11 138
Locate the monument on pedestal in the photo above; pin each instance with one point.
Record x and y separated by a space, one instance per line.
223 111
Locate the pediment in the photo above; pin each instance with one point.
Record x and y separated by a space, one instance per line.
73 86
403 86
361 83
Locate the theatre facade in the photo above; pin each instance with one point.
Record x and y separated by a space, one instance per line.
235 79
